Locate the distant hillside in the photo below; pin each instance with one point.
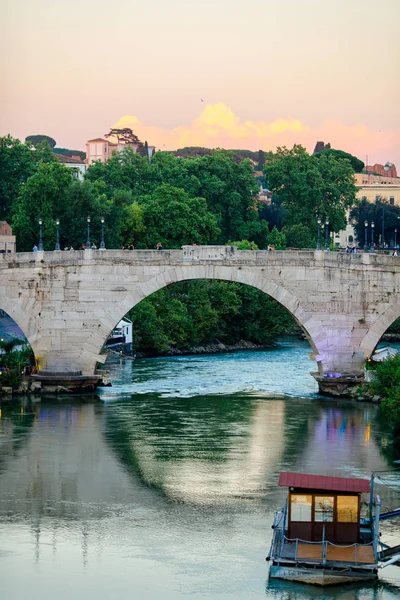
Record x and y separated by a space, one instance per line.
70 153
256 156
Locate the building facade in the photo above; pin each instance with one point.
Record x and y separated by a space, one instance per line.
101 149
7 239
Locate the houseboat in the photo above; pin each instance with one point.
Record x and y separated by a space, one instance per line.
321 537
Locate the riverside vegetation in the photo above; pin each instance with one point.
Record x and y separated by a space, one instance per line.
197 197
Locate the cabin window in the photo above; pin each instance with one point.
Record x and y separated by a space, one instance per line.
323 508
347 509
300 507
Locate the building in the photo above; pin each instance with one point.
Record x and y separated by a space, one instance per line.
75 163
102 149
373 188
7 239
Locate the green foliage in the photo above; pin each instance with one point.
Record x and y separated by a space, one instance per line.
37 139
13 361
43 196
70 153
172 217
375 212
386 383
17 164
355 162
244 245
299 236
277 239
195 313
311 187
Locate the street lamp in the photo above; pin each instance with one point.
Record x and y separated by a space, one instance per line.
319 234
326 234
366 236
88 234
57 235
102 244
372 237
40 235
395 238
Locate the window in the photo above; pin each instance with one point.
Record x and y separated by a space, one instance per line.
391 200
347 509
300 507
323 509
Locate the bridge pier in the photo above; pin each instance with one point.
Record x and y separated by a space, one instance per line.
67 303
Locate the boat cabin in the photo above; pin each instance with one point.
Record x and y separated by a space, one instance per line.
322 508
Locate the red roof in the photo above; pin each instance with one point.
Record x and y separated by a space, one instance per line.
321 482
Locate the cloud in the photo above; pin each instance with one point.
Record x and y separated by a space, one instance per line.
217 126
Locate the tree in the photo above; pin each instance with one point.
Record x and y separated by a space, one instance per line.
244 245
38 139
380 213
311 187
125 136
172 217
277 239
231 193
355 162
299 236
43 196
17 164
124 170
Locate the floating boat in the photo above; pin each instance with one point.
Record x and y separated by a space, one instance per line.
320 536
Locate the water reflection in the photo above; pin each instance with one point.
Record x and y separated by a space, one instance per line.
167 495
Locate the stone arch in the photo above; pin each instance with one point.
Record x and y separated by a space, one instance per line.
22 318
224 273
378 328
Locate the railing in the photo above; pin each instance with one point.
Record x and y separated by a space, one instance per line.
325 546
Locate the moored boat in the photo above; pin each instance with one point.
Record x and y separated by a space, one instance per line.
320 536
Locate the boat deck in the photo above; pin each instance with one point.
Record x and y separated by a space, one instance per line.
356 554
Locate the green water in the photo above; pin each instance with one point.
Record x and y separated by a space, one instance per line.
166 486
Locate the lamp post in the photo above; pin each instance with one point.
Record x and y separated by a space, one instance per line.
102 244
57 235
395 238
319 234
40 235
327 234
88 234
372 236
366 236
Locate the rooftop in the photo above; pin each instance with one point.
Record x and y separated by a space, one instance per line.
322 482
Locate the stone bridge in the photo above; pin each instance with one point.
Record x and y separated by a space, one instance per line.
67 303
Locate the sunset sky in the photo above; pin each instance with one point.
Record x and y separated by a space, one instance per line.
217 73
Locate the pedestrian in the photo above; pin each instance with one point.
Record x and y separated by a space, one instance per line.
35 248
83 247
94 247
159 246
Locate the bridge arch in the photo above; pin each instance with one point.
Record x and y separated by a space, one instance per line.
379 327
230 274
22 317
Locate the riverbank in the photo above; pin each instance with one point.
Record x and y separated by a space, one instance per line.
212 348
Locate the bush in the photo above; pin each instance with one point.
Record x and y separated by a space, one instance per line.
10 379
386 384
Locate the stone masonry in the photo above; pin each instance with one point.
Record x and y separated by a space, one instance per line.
67 303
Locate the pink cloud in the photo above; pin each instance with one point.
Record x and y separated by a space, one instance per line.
218 126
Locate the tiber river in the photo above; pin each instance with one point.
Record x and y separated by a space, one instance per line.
166 487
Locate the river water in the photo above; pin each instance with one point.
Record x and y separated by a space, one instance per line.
167 485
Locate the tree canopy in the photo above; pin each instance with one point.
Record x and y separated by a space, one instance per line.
355 162
38 138
310 187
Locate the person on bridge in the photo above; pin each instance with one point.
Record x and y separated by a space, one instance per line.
35 248
159 246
